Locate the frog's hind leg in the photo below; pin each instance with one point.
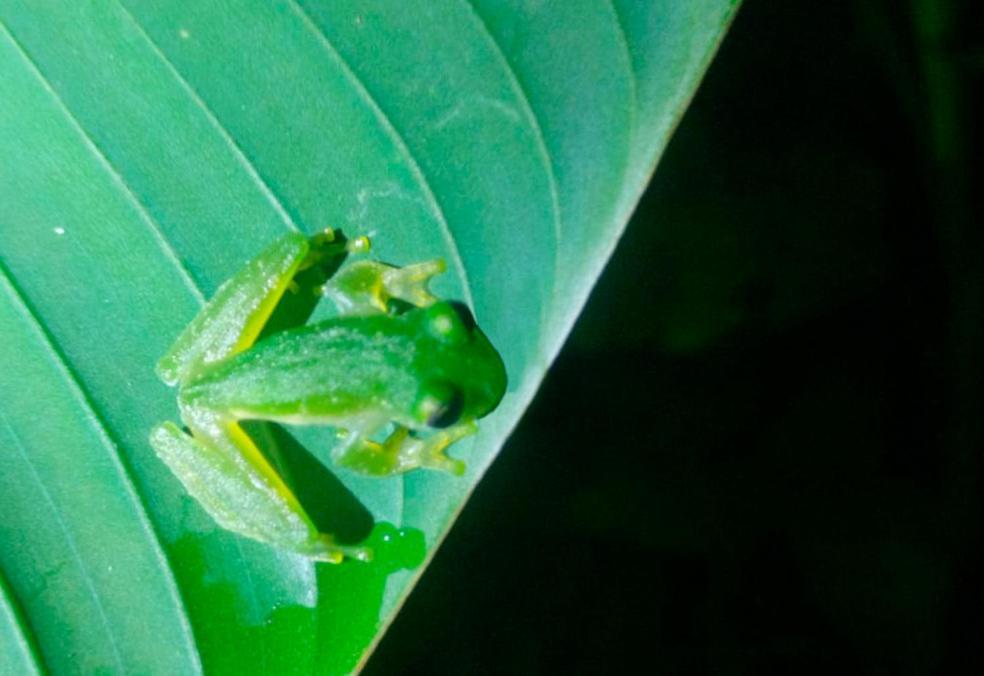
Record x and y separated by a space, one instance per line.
231 321
366 287
231 480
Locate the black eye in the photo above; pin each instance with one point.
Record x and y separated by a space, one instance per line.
448 412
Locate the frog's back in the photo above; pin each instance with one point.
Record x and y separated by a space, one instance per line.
331 368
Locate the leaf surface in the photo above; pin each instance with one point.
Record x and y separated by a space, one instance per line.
147 149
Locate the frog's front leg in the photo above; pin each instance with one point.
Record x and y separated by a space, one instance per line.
221 467
366 287
402 451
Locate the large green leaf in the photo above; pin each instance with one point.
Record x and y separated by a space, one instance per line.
148 148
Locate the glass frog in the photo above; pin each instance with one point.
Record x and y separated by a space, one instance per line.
394 358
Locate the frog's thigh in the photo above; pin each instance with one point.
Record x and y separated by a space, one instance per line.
234 317
231 491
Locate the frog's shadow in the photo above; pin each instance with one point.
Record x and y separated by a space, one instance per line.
332 507
296 307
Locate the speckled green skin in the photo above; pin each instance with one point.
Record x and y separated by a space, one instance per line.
345 370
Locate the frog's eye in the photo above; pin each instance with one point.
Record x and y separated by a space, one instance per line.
448 412
451 322
441 405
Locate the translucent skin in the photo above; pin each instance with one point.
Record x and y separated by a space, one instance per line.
428 372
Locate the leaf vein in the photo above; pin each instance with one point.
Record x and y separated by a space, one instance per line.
26 635
387 124
70 540
532 117
248 165
545 156
107 166
623 42
101 429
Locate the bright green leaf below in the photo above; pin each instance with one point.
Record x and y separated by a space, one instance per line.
148 148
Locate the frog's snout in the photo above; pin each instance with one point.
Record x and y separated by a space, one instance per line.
494 377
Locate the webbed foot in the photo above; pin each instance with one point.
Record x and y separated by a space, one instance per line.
403 451
367 287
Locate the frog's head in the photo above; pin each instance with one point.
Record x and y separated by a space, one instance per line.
461 375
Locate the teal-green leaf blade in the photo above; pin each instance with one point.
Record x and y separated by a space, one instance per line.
148 148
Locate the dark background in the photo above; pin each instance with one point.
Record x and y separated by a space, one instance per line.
760 451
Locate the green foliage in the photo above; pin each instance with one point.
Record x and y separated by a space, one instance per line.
148 149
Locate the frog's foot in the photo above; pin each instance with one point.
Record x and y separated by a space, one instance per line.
324 548
367 287
409 283
402 452
431 452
